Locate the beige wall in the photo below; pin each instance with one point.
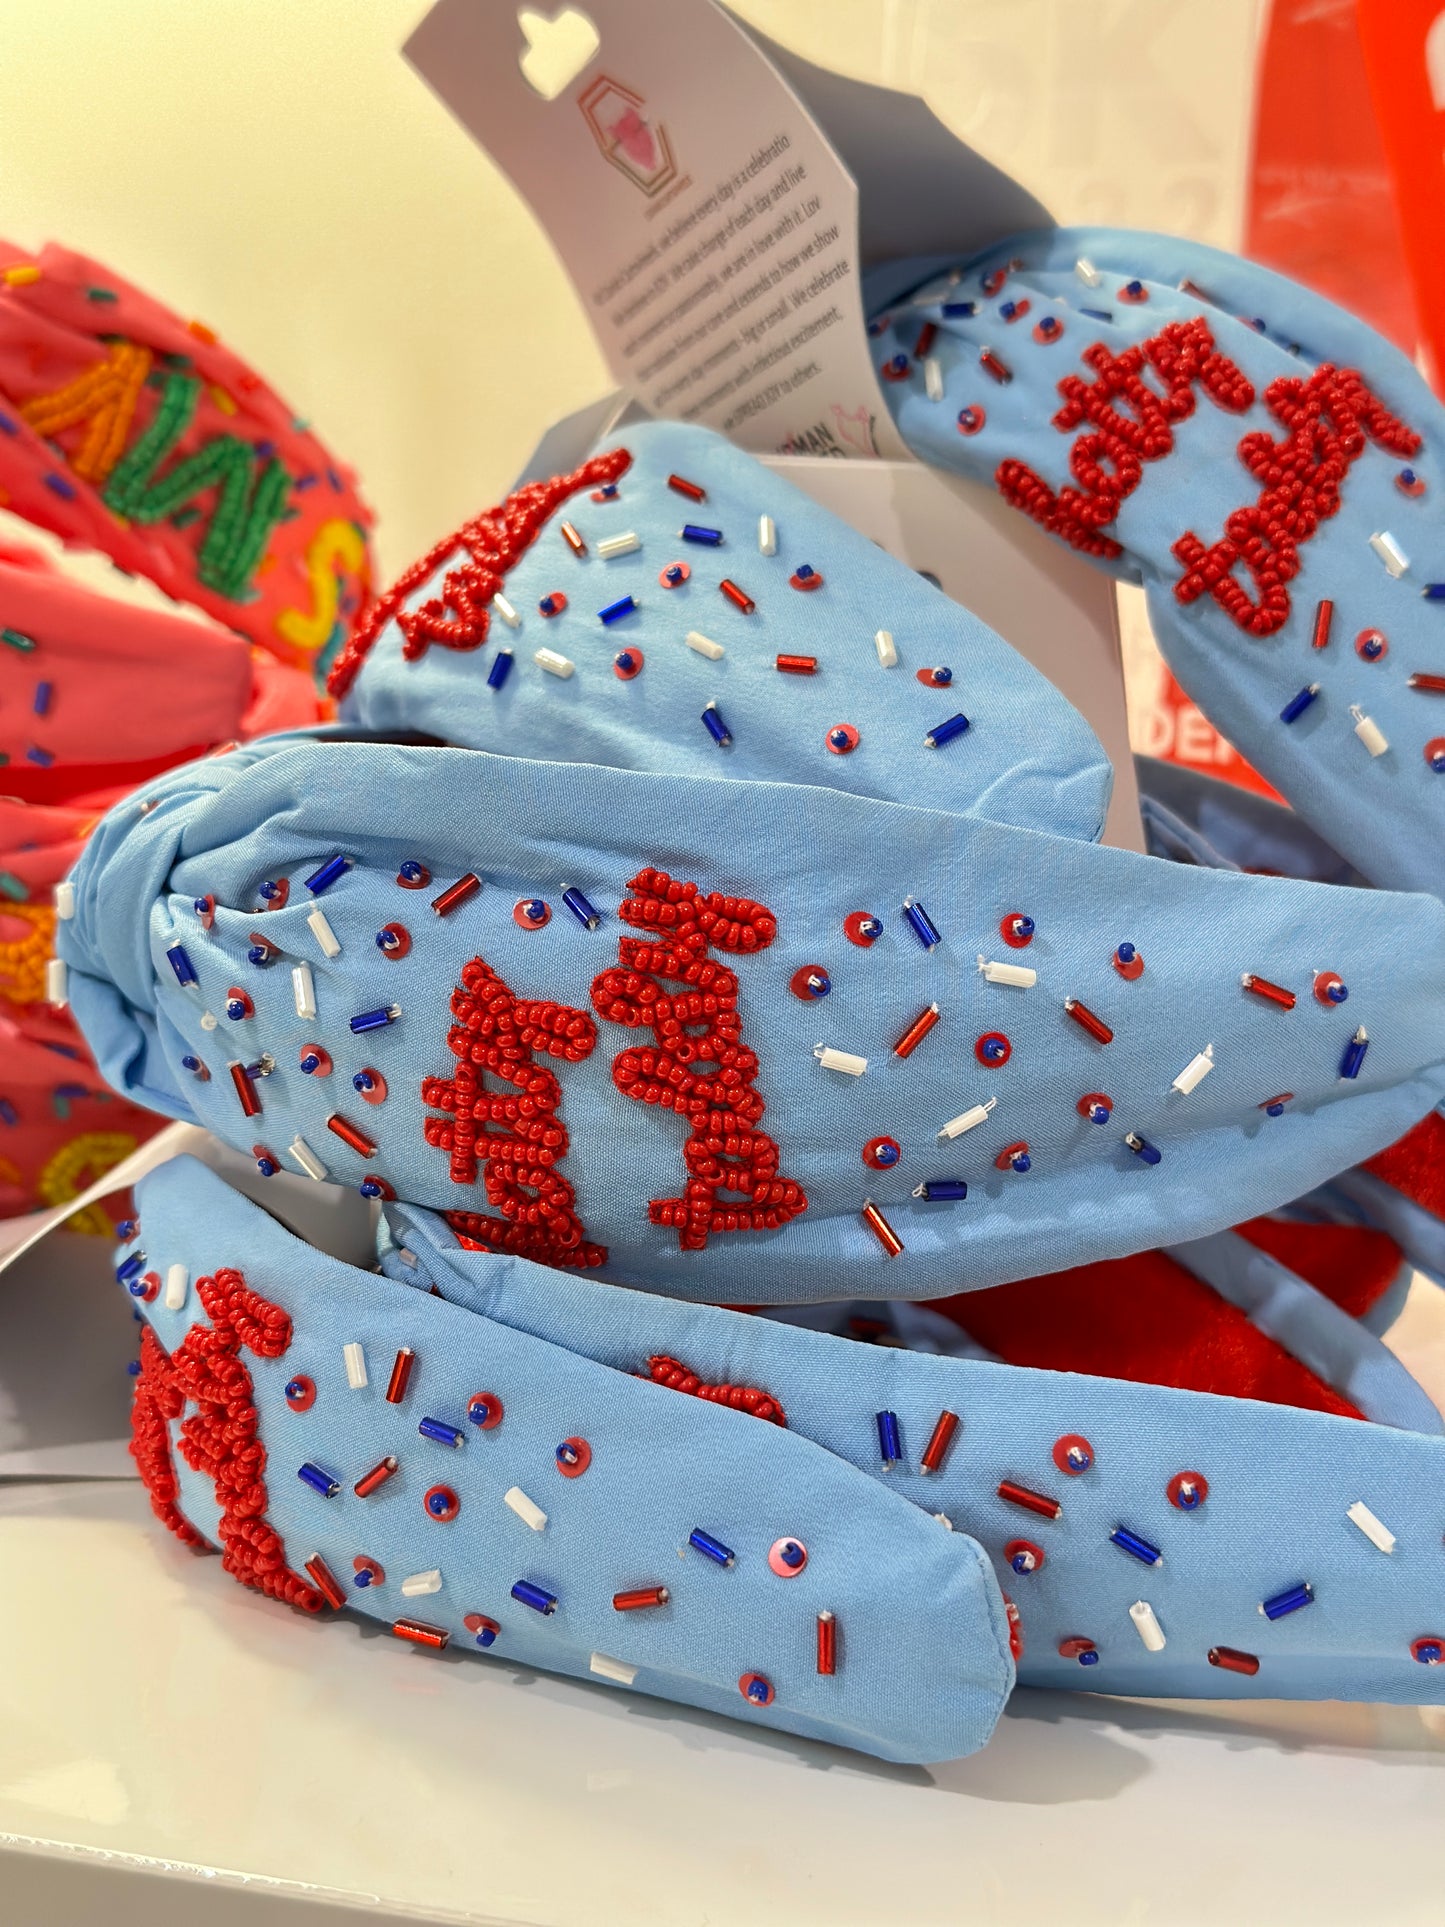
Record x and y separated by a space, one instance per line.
273 167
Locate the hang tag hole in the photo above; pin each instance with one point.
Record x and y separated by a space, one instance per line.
556 48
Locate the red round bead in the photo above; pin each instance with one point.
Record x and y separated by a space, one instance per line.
842 739
1073 1454
1028 1556
531 913
810 983
859 928
1187 1501
301 1393
993 1049
441 1503
400 944
1017 930
484 1409
971 419
578 1456
627 663
882 1153
756 1689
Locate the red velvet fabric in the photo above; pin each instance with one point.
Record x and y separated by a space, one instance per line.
1416 1165
1145 1319
1351 1265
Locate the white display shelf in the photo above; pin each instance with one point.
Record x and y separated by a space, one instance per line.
161 1727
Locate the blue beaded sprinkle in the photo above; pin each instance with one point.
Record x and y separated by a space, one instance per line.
942 1190
945 732
581 909
180 962
692 532
921 924
1140 1548
1297 705
615 611
715 1550
375 1019
1288 1601
441 1433
319 1481
890 1449
323 878
533 1596
500 670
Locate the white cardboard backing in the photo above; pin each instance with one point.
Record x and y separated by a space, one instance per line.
708 226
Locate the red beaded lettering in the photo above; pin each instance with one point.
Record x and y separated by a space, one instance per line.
694 1027
1130 424
498 1033
1327 420
742 1398
458 616
221 1438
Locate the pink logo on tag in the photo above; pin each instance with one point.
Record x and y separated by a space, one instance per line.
626 137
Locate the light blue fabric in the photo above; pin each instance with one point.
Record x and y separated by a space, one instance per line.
224 825
1028 758
1336 1348
922 1641
661 1465
1385 814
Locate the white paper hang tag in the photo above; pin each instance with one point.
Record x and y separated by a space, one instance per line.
710 229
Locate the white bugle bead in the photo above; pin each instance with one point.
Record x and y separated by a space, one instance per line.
505 610
704 645
421 1582
325 936
1007 973
1374 1529
1369 731
619 544
1195 1071
966 1120
178 1283
767 535
553 663
840 1060
932 378
65 900
1396 561
57 983
1147 1626
617 1669
355 1358
527 1510
887 649
307 1159
303 986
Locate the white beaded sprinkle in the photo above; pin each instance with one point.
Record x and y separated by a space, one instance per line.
840 1060
57 983
1396 561
1195 1071
1369 731
355 1358
65 900
1147 1626
505 610
617 1669
1087 272
1007 973
767 535
619 545
554 664
527 1510
966 1120
421 1582
932 378
887 649
303 986
1374 1530
178 1284
325 936
704 645
307 1159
